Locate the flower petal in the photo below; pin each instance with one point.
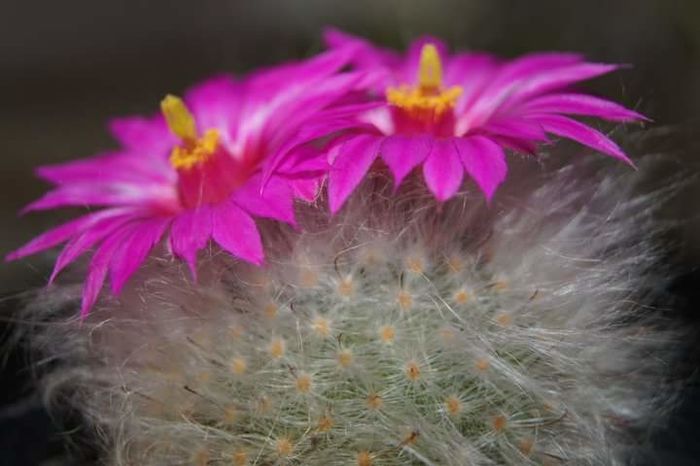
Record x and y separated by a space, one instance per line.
352 162
581 104
149 136
572 129
95 193
190 232
91 236
520 129
61 233
403 153
216 104
133 250
559 78
97 270
235 231
307 190
443 171
110 167
366 56
276 201
484 160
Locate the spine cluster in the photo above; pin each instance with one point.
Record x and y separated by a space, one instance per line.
453 335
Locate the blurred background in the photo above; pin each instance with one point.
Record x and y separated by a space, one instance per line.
66 67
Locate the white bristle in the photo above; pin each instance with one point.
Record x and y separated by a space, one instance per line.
398 332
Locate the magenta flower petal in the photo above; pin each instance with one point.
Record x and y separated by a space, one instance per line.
234 230
581 104
307 190
60 234
403 153
103 194
530 130
197 166
572 129
276 201
562 77
189 233
97 270
217 103
366 55
532 64
353 160
480 103
109 168
133 250
443 169
143 135
484 161
80 244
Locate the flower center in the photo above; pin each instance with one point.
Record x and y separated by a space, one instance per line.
194 149
206 171
429 100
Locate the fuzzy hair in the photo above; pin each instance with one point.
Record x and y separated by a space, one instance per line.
401 331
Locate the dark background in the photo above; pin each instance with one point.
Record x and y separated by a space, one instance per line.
66 66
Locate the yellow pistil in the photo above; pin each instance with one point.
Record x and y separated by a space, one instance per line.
194 149
429 95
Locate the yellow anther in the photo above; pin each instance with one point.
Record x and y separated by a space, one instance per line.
182 124
179 119
430 68
195 152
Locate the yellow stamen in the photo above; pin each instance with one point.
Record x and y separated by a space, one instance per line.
430 68
194 149
179 119
429 95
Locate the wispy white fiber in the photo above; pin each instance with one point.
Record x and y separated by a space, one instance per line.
529 331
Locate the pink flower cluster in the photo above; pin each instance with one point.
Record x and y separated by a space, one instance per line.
205 166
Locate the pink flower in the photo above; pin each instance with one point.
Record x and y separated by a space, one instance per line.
456 113
193 171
